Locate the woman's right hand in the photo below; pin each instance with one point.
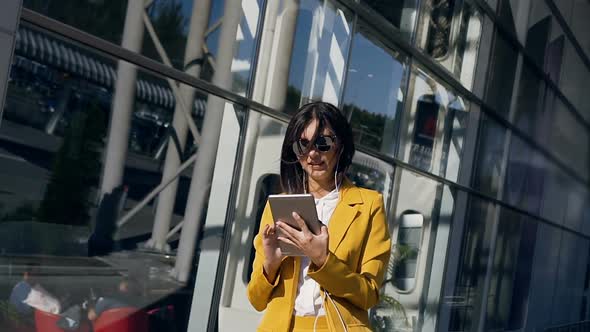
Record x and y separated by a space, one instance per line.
272 252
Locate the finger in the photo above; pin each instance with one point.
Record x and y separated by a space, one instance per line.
265 231
287 241
300 222
288 231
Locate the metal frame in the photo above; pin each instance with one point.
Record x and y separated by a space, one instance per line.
160 69
392 35
426 63
568 32
513 40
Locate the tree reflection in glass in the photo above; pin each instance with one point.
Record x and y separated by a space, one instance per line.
373 96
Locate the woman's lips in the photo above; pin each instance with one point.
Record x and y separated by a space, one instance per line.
319 165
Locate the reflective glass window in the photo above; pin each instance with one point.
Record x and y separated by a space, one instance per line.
183 34
449 31
511 272
374 93
55 223
464 300
544 280
553 52
526 172
320 33
569 139
569 283
501 75
402 14
488 166
438 119
421 211
534 105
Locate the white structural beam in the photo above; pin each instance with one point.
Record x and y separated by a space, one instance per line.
270 87
280 59
123 100
181 121
207 152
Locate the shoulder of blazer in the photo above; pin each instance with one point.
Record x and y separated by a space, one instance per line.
352 194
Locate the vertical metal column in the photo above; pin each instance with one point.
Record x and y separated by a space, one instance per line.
194 50
116 152
205 163
9 17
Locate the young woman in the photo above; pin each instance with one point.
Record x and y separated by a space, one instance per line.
338 280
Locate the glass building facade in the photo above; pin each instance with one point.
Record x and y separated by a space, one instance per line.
139 140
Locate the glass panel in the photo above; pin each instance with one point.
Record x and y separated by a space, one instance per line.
574 12
320 41
374 95
417 263
511 13
402 14
50 83
575 76
555 194
569 283
104 19
552 51
467 293
174 27
502 71
534 106
55 224
439 120
525 176
545 39
488 176
569 140
511 272
543 284
449 31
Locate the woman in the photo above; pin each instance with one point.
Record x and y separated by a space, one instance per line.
338 280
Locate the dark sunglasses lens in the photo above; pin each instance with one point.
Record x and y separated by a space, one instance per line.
324 143
299 147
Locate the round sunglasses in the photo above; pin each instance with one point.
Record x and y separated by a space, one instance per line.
322 143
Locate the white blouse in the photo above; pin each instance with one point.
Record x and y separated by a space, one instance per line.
309 301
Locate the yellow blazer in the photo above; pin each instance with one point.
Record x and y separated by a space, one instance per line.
359 249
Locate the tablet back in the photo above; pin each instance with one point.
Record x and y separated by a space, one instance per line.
282 207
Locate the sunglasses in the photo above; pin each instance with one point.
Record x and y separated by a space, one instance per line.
322 144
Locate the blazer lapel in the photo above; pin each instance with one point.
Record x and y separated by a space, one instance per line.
344 214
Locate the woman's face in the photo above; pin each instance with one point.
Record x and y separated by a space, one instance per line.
319 165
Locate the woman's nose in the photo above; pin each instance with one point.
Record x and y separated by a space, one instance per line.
313 153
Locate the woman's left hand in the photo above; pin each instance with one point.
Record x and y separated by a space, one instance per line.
313 246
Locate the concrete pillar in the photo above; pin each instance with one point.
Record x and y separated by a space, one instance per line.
123 100
194 50
277 82
206 155
9 17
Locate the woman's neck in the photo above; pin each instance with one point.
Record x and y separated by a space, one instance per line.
319 190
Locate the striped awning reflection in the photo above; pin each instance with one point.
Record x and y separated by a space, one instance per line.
54 52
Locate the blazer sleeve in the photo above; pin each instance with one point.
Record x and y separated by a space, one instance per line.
360 288
259 288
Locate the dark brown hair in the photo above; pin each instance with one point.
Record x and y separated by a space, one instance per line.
327 115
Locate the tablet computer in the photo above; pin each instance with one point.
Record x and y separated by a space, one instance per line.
282 207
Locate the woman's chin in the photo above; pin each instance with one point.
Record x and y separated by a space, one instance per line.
320 175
